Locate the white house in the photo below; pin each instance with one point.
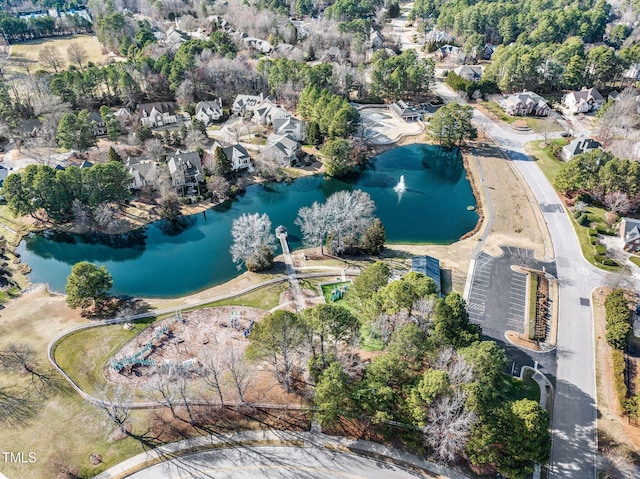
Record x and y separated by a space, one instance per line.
404 111
246 103
267 112
258 44
291 127
583 101
238 155
208 111
157 114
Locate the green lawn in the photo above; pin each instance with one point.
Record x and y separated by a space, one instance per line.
82 355
536 124
549 165
635 260
369 342
346 300
526 388
265 298
596 215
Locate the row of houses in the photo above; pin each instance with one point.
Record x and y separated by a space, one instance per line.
529 103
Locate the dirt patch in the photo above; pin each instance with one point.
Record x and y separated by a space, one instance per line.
522 341
613 428
182 342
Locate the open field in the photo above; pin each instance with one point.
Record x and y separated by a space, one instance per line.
26 55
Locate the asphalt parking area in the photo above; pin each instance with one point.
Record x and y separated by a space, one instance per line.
498 294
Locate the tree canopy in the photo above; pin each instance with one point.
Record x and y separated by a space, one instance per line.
87 284
451 125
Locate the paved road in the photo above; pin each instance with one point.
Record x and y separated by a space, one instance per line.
274 462
573 454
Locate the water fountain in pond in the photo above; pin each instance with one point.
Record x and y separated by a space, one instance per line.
400 187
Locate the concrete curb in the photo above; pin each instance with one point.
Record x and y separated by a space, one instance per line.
284 438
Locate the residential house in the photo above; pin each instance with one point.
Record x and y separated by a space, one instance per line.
267 112
184 169
257 44
488 52
577 146
143 171
630 234
448 51
208 111
437 36
470 72
333 54
97 124
376 39
583 101
291 127
124 117
287 50
281 148
86 164
404 111
160 113
525 104
175 38
430 267
237 154
246 103
633 72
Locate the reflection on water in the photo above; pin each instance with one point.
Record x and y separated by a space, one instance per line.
165 259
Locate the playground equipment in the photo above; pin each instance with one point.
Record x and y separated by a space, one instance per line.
247 331
160 330
135 360
235 320
338 292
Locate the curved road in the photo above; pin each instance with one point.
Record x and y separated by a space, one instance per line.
274 462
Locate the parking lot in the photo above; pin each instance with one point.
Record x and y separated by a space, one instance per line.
497 300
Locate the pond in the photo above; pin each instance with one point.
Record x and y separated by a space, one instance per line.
156 262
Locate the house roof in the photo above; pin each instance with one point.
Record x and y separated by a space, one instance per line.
169 107
86 164
123 112
403 110
283 143
247 101
580 145
428 266
213 105
631 229
585 95
526 97
473 71
192 157
280 124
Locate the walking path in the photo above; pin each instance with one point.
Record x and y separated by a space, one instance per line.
281 234
294 440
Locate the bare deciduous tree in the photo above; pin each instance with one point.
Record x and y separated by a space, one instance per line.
50 56
449 426
212 372
76 53
239 371
618 202
23 359
115 404
251 233
106 216
194 139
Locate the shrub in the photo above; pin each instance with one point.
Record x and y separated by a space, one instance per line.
609 262
593 232
583 220
576 214
601 249
594 241
605 231
618 377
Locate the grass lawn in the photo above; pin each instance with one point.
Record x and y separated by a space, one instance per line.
549 165
265 298
346 300
635 260
537 124
526 388
26 54
596 215
82 355
369 342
